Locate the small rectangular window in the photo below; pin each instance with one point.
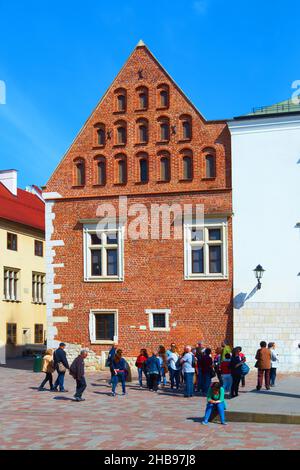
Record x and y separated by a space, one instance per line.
12 241
105 326
11 333
10 288
38 288
38 248
38 334
159 320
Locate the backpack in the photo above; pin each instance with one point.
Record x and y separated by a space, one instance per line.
177 364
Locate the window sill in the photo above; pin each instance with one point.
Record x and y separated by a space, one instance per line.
163 181
209 179
206 278
77 186
162 142
98 146
160 329
141 182
185 180
120 112
101 279
140 144
38 303
141 110
96 185
120 184
109 342
120 145
14 301
162 108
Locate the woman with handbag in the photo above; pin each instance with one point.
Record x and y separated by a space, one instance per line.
48 369
118 372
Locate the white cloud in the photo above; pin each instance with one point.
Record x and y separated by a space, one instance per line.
200 6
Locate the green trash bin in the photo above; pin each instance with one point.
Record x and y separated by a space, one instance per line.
37 364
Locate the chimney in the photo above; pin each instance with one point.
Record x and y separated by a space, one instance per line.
9 178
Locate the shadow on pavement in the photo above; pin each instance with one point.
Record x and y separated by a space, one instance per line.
278 394
63 399
103 393
22 363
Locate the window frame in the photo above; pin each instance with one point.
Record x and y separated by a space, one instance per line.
16 284
13 237
38 243
35 333
90 229
38 292
16 333
151 312
92 325
209 224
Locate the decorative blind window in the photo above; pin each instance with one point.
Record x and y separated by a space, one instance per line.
11 278
38 285
11 333
38 334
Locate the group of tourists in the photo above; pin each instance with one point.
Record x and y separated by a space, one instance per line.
193 370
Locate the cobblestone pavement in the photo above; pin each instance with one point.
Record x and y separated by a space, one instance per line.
140 420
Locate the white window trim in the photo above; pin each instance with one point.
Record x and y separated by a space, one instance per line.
39 289
15 297
92 326
166 311
210 224
91 228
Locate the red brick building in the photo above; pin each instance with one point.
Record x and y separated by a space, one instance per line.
147 141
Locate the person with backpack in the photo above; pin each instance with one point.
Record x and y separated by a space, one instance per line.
48 369
118 371
77 372
215 399
174 367
207 371
153 371
111 355
140 364
188 362
61 365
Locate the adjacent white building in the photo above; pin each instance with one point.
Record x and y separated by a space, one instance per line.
266 224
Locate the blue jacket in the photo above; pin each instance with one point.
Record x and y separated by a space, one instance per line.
118 365
153 365
60 356
111 355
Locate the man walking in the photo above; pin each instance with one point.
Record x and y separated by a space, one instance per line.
77 372
60 365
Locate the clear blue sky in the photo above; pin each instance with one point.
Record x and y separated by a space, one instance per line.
57 58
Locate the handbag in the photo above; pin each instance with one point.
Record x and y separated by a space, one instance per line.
61 367
256 365
245 369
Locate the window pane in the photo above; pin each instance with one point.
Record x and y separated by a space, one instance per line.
197 260
143 133
121 103
12 241
164 129
80 173
196 235
112 262
210 166
96 263
187 168
112 238
159 320
121 135
143 170
215 265
38 333
214 234
186 130
164 98
95 240
101 173
38 248
11 333
143 100
165 169
105 326
101 136
122 171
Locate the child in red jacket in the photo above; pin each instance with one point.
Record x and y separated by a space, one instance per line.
140 364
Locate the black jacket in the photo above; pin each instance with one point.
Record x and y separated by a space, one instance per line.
60 356
77 368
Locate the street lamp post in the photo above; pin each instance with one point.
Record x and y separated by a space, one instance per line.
259 272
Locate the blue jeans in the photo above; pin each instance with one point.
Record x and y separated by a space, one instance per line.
206 380
115 380
162 377
220 408
174 377
189 384
60 381
80 387
141 372
273 371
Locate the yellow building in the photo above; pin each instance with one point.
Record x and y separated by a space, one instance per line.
22 268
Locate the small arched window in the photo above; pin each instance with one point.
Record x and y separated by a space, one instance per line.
164 166
142 97
121 135
100 171
163 96
121 100
186 129
210 166
79 172
164 131
120 169
187 168
99 134
143 133
144 177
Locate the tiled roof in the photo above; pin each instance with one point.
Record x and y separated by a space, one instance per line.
25 208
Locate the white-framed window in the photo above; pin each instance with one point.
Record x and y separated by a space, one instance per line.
205 250
159 319
11 284
103 253
38 288
103 326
